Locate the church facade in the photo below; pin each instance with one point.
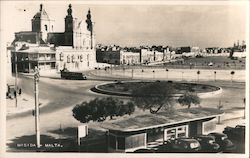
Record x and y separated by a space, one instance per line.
73 49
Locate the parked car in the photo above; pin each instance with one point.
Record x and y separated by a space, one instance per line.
210 64
235 133
185 145
208 143
226 145
144 151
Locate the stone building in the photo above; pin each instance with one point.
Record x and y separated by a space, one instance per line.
52 51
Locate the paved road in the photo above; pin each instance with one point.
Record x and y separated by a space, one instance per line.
64 94
61 93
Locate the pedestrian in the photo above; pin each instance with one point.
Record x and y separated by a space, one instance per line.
15 94
20 91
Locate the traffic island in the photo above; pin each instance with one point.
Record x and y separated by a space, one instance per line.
125 88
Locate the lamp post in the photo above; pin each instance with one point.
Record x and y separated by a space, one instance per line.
132 72
244 102
37 128
167 73
214 75
16 78
198 73
232 73
142 73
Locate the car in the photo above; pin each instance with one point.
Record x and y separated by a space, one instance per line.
226 145
179 145
210 64
208 143
144 150
235 133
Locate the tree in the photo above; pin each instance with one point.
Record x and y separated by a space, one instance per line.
154 96
188 99
100 109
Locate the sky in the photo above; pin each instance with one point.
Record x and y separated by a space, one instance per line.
135 25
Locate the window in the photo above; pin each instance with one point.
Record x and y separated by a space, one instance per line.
61 56
68 59
81 58
136 141
46 27
176 132
73 58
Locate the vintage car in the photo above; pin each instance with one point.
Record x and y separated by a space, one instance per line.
144 150
226 145
235 133
179 145
208 143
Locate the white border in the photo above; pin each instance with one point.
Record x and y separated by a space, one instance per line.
130 2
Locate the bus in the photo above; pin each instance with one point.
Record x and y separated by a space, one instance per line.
66 74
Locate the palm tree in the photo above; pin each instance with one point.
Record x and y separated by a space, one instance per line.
214 75
198 73
232 73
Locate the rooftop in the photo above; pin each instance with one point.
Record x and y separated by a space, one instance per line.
39 49
141 122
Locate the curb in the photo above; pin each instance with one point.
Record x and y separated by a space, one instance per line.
107 92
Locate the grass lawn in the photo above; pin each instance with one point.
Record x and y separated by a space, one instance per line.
180 88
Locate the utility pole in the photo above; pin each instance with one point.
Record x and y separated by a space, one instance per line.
132 72
36 80
16 78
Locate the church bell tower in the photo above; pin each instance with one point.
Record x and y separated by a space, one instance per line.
69 26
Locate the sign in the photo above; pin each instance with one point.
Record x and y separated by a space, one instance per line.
82 132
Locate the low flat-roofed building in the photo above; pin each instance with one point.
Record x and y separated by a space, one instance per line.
142 131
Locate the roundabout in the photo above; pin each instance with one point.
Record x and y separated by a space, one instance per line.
125 88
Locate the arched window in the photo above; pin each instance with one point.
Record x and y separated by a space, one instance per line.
46 27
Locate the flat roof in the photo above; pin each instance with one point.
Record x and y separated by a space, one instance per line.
146 121
39 49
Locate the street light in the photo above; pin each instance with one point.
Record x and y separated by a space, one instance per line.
214 75
142 73
36 80
232 73
16 78
198 73
167 73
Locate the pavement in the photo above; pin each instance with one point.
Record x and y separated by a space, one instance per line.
174 74
25 103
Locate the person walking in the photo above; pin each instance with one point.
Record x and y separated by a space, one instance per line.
20 91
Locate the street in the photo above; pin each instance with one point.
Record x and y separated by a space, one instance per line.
63 95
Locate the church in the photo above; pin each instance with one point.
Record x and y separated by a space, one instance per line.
50 51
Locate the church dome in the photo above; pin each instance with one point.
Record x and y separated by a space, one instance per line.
42 14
